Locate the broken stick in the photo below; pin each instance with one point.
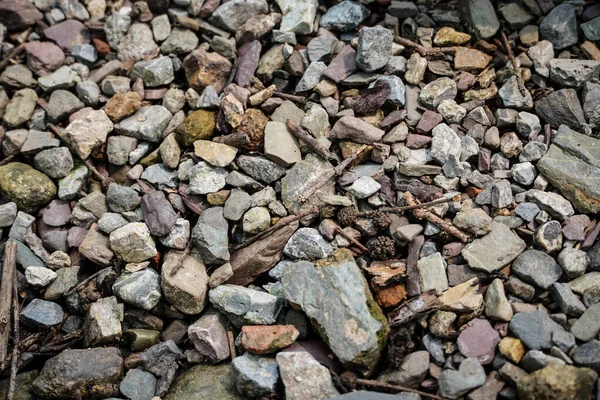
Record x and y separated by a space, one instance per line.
350 380
182 258
429 53
513 61
422 213
6 294
15 352
311 142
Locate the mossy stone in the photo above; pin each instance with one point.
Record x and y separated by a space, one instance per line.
27 187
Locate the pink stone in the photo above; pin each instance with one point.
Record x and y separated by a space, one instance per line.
417 141
479 340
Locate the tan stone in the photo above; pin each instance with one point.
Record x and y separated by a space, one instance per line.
465 297
471 59
512 348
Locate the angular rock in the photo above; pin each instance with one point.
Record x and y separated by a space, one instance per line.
297 367
133 242
210 236
484 254
140 288
187 289
244 306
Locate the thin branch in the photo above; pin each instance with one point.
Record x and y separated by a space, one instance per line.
16 51
6 294
85 281
351 239
422 213
182 258
15 352
285 221
294 99
429 53
7 160
231 342
307 138
350 380
399 210
513 61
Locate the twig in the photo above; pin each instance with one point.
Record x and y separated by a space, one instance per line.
351 239
85 281
513 61
350 380
422 213
432 53
105 180
231 342
7 159
182 258
338 170
280 224
294 99
16 51
15 352
6 294
307 138
399 210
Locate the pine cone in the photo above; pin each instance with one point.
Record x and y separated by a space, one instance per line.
381 220
382 248
346 216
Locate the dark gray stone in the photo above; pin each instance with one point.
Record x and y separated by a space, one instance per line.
158 213
42 314
537 267
535 329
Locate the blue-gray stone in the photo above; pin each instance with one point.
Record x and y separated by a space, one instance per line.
535 329
138 385
42 314
344 16
255 376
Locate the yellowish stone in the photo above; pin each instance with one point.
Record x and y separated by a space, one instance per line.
512 348
450 37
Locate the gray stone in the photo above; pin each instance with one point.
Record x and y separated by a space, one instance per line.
39 276
537 267
37 141
62 78
155 72
339 311
484 253
210 236
307 243
587 326
66 280
344 16
541 54
121 198
180 41
497 306
374 48
560 26
118 149
205 380
140 288
280 145
437 91
103 322
298 367
73 371
136 43
209 336
233 14
455 384
161 360
445 143
298 15
148 123
62 104
256 220
356 130
8 213
260 168
533 151
481 18
511 96
363 187
411 372
88 132
562 107
158 213
245 306
20 108
432 273
474 221
573 73
527 211
187 289
528 124
179 235
111 221
256 376
56 162
160 176
236 205
85 53
567 301
523 173
574 262
138 384
397 94
321 48
553 203
41 314
534 329
502 194
535 360
311 76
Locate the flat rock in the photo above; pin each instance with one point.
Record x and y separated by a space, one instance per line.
297 367
478 340
244 306
140 288
537 267
349 312
535 329
186 290
484 254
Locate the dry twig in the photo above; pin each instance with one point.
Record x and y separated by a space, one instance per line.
310 141
182 258
399 210
6 294
16 51
350 380
429 53
280 224
513 61
84 282
15 352
422 213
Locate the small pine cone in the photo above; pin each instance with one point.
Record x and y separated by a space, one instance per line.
382 248
346 216
381 220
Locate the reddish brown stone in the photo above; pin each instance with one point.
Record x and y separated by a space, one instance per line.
44 57
417 141
265 339
204 69
342 66
253 124
122 105
389 296
369 100
18 14
101 46
428 121
247 62
67 34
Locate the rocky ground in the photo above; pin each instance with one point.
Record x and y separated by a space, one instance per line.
206 199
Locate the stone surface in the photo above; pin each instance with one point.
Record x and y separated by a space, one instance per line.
133 242
296 367
352 324
140 288
537 267
186 290
483 254
454 384
244 306
558 382
25 186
